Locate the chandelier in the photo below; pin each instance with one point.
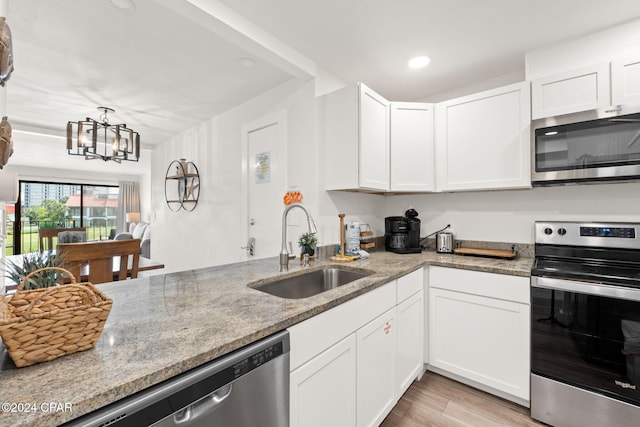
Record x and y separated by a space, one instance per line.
103 140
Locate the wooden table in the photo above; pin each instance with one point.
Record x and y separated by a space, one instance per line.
144 264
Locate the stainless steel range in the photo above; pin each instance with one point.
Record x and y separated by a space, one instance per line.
585 324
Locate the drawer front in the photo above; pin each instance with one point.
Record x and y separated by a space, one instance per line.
501 286
410 284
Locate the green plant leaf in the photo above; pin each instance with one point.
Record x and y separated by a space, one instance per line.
31 262
307 239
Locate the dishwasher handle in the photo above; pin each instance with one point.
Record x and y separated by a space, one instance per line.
203 406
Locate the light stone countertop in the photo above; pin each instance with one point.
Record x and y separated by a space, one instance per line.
164 325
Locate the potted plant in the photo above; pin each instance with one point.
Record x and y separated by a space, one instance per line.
307 243
31 262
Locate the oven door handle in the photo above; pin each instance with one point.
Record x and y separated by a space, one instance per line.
597 289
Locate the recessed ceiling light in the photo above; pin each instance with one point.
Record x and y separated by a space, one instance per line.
419 62
123 4
247 62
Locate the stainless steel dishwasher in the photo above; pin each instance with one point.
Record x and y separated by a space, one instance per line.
249 387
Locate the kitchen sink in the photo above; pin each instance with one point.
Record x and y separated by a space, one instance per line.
311 283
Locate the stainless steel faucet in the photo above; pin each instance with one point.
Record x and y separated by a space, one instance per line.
284 254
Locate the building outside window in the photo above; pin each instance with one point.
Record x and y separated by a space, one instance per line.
59 205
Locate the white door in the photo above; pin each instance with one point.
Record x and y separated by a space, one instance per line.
265 141
323 390
374 140
472 155
485 340
572 91
410 345
412 149
376 370
625 80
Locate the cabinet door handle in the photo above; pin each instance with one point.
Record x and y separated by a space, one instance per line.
251 246
387 328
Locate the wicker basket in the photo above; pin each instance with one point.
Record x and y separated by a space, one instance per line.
43 324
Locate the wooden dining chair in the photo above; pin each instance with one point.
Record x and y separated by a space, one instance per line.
106 261
46 235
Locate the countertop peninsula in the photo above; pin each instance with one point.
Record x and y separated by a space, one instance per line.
164 325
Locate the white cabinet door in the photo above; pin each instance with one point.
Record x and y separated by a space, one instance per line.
376 370
578 90
412 151
482 339
356 139
323 389
625 81
410 340
482 140
374 140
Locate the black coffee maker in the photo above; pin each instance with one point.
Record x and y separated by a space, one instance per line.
402 233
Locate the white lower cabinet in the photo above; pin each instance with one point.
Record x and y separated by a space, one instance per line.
479 329
323 390
376 370
350 364
410 331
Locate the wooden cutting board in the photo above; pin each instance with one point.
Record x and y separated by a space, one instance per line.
346 258
493 253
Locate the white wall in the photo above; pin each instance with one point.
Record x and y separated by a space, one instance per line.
508 216
477 87
214 232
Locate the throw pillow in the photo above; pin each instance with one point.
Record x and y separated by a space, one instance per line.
139 230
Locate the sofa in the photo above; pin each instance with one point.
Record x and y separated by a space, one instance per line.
142 231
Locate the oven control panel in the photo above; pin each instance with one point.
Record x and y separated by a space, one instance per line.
620 232
614 235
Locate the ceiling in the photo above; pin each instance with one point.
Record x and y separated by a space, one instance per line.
165 65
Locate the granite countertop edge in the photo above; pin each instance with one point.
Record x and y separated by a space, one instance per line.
131 365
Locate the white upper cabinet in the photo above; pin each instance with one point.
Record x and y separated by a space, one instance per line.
412 150
482 140
625 80
572 91
356 140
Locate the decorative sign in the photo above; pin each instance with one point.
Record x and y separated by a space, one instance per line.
263 167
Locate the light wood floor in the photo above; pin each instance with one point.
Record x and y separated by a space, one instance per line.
439 401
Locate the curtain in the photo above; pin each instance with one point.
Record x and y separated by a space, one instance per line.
128 201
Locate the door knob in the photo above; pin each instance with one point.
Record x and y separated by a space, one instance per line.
250 248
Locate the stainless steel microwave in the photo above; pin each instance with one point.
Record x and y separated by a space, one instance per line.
590 146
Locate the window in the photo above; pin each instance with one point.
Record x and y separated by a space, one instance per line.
58 205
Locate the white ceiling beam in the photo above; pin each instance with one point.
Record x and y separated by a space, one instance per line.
227 23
